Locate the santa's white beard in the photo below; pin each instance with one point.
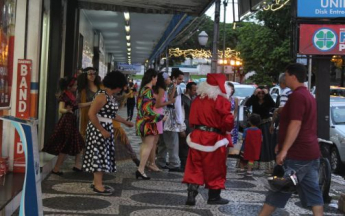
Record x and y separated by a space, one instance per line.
212 92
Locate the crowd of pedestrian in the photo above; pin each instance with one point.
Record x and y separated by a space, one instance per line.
188 131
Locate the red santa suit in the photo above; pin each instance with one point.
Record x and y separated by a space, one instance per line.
211 117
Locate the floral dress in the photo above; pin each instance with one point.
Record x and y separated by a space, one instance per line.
234 132
66 138
100 151
147 118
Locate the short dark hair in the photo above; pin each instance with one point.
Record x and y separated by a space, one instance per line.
89 68
114 79
190 85
298 70
176 73
254 119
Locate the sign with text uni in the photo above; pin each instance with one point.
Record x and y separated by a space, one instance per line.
321 8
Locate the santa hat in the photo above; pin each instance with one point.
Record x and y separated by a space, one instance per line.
217 80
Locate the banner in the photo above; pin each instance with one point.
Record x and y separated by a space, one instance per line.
322 39
321 8
22 110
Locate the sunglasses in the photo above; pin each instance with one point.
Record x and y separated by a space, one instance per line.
261 93
91 73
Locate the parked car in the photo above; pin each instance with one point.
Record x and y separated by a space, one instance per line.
337 133
333 90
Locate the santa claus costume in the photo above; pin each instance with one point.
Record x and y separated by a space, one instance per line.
212 121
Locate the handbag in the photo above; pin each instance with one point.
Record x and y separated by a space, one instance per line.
171 124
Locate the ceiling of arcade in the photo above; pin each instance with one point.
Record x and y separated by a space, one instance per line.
148 21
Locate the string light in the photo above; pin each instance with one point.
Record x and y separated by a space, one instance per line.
276 5
195 53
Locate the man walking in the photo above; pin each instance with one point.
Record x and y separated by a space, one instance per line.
298 147
173 125
187 99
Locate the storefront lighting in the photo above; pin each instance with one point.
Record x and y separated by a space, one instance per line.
128 44
126 14
128 49
128 37
127 28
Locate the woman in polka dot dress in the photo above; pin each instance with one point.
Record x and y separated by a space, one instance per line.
100 148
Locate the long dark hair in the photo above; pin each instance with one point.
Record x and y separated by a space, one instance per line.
147 78
160 83
82 81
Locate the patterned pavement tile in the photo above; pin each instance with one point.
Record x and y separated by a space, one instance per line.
163 195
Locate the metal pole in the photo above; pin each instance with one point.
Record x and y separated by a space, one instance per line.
215 38
309 71
167 60
225 2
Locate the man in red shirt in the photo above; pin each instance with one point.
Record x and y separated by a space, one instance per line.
298 147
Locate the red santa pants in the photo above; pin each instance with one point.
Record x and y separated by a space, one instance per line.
207 168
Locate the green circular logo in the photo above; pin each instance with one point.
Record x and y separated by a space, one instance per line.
325 39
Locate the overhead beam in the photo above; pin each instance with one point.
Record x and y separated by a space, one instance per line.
154 7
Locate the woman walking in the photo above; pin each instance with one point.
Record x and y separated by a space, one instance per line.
100 147
147 118
88 85
66 138
160 95
123 146
131 93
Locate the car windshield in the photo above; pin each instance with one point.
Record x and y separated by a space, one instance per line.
338 114
243 92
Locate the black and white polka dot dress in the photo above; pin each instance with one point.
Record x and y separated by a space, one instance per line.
100 152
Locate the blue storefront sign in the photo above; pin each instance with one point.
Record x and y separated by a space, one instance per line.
321 8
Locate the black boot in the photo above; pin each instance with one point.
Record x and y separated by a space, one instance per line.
215 199
192 192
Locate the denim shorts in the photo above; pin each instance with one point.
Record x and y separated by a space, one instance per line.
308 185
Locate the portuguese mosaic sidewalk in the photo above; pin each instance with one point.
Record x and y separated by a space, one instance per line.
163 195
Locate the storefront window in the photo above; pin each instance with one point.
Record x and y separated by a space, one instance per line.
7 26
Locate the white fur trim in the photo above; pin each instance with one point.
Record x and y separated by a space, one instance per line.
219 143
207 90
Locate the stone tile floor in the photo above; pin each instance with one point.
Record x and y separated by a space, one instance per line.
163 195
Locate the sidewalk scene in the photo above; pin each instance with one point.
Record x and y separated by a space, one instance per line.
164 194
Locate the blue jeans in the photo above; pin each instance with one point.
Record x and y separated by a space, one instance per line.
308 185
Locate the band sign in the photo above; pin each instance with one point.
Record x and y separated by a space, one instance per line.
321 8
22 110
322 39
23 88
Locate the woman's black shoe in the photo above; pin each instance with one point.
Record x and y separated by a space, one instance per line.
75 169
106 192
57 173
136 161
142 176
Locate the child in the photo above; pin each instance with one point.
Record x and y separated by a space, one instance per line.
66 138
252 139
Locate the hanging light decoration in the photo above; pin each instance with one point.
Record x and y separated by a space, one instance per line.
275 5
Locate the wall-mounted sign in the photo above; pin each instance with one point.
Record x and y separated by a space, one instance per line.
22 110
321 8
322 39
136 67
